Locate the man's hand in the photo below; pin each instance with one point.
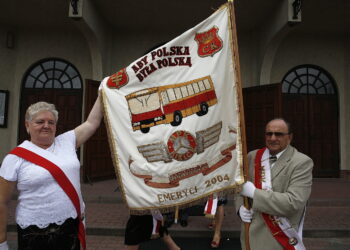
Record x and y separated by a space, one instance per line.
248 189
4 246
245 214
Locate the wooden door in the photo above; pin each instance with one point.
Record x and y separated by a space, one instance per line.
294 107
315 127
324 134
261 104
97 156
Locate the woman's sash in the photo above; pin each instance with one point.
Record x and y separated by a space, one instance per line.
61 179
211 206
280 227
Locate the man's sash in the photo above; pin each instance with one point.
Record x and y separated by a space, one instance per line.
280 227
61 179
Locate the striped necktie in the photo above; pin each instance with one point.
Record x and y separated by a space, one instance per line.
272 159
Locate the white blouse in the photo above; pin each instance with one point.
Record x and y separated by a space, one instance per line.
41 200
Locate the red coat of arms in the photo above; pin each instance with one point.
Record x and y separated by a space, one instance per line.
118 79
208 42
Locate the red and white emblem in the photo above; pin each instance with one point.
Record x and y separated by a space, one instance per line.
181 145
209 42
118 79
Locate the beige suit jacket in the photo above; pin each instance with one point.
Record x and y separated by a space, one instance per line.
291 179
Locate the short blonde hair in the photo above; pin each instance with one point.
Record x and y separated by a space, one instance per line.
35 108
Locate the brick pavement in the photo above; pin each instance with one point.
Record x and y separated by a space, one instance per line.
327 223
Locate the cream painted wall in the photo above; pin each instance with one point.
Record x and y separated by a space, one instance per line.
324 51
344 108
248 51
328 52
7 69
32 46
129 46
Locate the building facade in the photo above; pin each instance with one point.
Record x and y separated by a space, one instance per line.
50 51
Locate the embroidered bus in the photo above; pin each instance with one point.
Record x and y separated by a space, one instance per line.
170 103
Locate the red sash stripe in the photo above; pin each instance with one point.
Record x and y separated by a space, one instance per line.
257 176
61 179
210 205
276 231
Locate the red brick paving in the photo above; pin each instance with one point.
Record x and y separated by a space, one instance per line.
329 209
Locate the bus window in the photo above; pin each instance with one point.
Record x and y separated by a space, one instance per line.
195 87
171 94
190 89
144 103
165 98
178 93
207 84
201 86
184 91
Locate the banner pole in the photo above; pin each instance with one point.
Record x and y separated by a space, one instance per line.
241 110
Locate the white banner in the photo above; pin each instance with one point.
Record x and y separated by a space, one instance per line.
173 120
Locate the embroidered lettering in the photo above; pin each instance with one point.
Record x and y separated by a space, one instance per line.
164 197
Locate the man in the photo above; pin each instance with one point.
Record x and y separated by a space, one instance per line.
279 186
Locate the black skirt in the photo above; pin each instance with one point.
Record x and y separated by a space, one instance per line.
53 237
139 229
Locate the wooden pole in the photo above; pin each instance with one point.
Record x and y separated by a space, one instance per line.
241 109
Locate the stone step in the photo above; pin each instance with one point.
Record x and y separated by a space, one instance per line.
110 219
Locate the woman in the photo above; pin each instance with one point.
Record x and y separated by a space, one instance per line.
217 222
46 170
142 228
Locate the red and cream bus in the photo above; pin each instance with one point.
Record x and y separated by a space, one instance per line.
170 103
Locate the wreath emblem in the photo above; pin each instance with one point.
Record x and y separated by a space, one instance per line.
181 145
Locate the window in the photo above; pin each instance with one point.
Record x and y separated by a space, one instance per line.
190 89
171 94
308 79
207 84
201 86
53 74
178 93
184 91
165 98
195 87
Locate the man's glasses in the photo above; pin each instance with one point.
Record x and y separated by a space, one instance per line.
277 134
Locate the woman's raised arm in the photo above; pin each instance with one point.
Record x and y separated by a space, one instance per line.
84 131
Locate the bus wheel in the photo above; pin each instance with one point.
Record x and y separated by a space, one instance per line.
145 130
204 109
177 119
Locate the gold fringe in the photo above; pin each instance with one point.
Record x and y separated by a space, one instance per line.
210 216
176 214
173 208
112 146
